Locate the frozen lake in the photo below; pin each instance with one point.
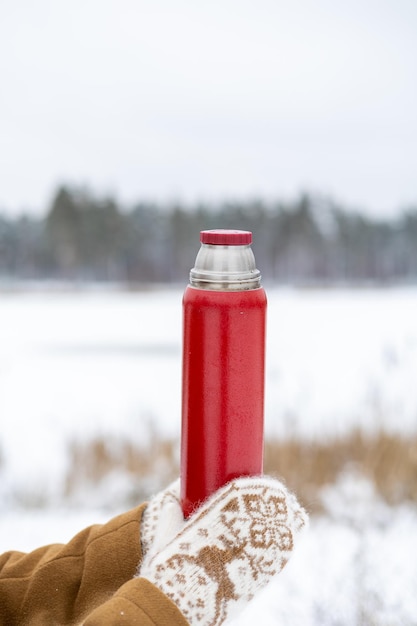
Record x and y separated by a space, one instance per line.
74 365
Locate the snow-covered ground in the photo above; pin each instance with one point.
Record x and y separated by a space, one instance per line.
78 365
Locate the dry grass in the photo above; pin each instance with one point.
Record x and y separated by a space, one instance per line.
147 469
389 461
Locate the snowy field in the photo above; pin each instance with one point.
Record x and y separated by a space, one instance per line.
77 365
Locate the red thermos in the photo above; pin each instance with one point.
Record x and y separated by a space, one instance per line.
224 309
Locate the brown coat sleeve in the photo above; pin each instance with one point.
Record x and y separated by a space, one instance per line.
87 581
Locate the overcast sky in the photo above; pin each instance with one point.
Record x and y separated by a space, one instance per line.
185 99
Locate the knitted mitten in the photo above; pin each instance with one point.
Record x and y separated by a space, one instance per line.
213 564
161 521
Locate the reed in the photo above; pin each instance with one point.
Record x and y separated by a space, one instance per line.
388 460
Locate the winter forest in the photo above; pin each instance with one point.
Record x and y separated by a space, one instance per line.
309 240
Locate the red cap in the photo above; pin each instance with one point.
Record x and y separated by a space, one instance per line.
222 237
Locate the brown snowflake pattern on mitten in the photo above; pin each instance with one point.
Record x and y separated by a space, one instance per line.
228 550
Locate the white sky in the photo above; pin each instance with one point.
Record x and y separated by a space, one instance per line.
195 100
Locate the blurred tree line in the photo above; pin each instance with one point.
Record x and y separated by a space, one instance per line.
309 240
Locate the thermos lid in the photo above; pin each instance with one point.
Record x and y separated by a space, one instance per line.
225 262
222 237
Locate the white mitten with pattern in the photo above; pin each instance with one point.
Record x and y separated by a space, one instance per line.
161 521
212 564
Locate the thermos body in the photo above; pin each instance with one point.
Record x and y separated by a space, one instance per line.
223 375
